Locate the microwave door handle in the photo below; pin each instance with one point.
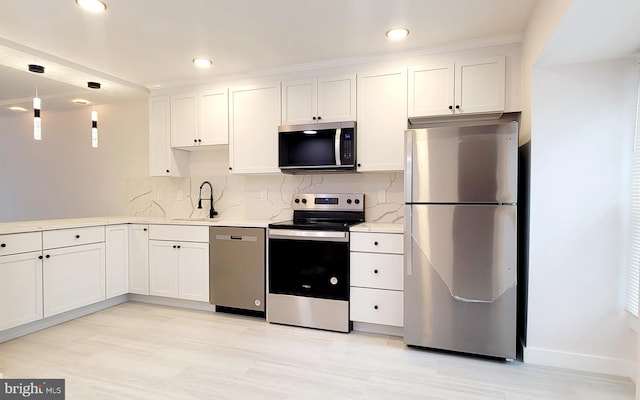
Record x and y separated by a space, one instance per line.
337 146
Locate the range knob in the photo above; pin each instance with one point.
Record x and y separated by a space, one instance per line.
297 201
348 201
357 201
304 201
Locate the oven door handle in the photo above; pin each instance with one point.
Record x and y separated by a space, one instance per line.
294 234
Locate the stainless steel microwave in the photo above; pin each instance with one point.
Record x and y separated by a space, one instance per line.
322 147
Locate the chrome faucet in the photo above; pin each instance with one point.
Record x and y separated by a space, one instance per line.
212 212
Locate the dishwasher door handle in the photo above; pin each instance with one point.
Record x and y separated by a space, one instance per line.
237 238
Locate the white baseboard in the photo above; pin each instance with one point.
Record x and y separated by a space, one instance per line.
580 362
167 301
378 329
48 322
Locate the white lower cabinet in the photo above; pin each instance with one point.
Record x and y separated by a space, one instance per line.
163 268
179 268
139 259
20 289
377 278
73 277
376 306
117 260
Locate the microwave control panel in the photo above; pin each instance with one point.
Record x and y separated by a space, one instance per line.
348 150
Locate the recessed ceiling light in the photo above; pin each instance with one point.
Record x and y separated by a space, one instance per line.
92 5
81 101
17 108
397 33
202 62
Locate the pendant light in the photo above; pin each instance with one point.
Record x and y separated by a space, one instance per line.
94 117
37 123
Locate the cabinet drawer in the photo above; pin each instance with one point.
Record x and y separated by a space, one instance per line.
376 306
179 233
377 242
377 271
20 243
72 237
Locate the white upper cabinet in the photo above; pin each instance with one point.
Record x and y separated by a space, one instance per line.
470 86
184 120
199 119
254 117
163 161
431 89
324 99
213 106
382 119
480 85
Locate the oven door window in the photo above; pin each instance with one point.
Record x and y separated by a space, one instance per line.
309 268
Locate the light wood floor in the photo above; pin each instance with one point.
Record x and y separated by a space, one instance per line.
140 351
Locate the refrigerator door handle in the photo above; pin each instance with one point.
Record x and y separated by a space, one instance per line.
407 240
409 137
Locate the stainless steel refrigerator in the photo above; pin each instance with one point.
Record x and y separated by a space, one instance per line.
460 238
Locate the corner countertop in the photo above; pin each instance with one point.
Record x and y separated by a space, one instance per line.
378 227
52 224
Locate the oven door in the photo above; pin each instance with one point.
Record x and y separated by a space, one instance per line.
309 263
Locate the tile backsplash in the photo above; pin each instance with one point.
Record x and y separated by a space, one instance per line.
265 197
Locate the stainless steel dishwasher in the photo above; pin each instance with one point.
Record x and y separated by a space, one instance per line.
237 269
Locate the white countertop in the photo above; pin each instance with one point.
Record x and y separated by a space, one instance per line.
378 227
51 224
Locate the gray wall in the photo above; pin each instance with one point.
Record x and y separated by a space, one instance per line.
62 176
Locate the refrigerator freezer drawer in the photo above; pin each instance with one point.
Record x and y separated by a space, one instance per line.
460 287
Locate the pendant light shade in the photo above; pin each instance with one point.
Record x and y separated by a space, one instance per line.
37 124
94 129
94 117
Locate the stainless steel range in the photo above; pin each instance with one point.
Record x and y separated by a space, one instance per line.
309 262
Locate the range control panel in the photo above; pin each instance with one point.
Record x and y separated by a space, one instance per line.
329 202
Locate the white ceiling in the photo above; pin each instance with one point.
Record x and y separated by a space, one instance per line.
136 44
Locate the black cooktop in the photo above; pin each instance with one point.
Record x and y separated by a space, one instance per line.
340 226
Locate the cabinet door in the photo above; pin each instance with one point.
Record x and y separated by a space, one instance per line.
73 277
299 101
184 120
254 119
163 268
193 269
139 259
382 120
163 161
337 98
431 90
213 110
20 289
117 260
480 85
